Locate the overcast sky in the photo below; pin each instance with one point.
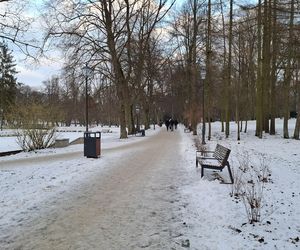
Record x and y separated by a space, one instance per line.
34 75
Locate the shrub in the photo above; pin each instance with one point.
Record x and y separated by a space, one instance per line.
34 131
32 139
250 183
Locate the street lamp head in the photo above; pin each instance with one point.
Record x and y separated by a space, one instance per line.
87 71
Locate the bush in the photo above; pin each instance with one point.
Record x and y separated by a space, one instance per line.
34 131
32 139
239 173
249 185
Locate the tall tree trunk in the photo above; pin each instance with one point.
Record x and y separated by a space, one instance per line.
246 127
129 124
297 126
130 119
241 127
237 84
121 84
224 78
266 68
2 121
146 117
194 68
274 67
208 69
288 73
259 97
229 68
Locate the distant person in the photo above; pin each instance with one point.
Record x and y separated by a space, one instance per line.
171 122
167 123
175 123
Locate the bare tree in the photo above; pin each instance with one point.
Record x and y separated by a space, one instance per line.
100 31
15 24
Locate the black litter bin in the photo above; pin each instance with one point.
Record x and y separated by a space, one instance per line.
92 144
142 132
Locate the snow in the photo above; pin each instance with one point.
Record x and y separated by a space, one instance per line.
221 216
8 140
165 206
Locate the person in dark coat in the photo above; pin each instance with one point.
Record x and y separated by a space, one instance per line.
171 121
175 123
167 123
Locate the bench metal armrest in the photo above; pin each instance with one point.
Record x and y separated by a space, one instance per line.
203 153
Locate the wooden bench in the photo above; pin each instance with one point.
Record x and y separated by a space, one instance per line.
218 161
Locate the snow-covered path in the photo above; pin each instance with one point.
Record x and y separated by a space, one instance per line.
130 199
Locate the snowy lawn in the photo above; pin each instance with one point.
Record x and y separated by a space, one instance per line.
8 140
219 221
209 219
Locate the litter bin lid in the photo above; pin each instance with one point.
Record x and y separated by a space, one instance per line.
92 134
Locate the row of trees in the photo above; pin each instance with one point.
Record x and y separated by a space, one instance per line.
250 57
206 60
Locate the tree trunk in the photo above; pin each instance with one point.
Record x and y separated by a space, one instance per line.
229 69
259 104
2 121
273 69
224 77
266 68
131 122
238 82
288 74
121 84
297 126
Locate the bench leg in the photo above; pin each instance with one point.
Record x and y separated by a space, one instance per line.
229 171
196 162
202 171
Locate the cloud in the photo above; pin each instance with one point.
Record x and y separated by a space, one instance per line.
35 77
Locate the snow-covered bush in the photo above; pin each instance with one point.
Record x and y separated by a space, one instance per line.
35 126
249 184
239 173
32 139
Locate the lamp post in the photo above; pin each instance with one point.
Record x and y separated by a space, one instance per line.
203 106
154 120
87 71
